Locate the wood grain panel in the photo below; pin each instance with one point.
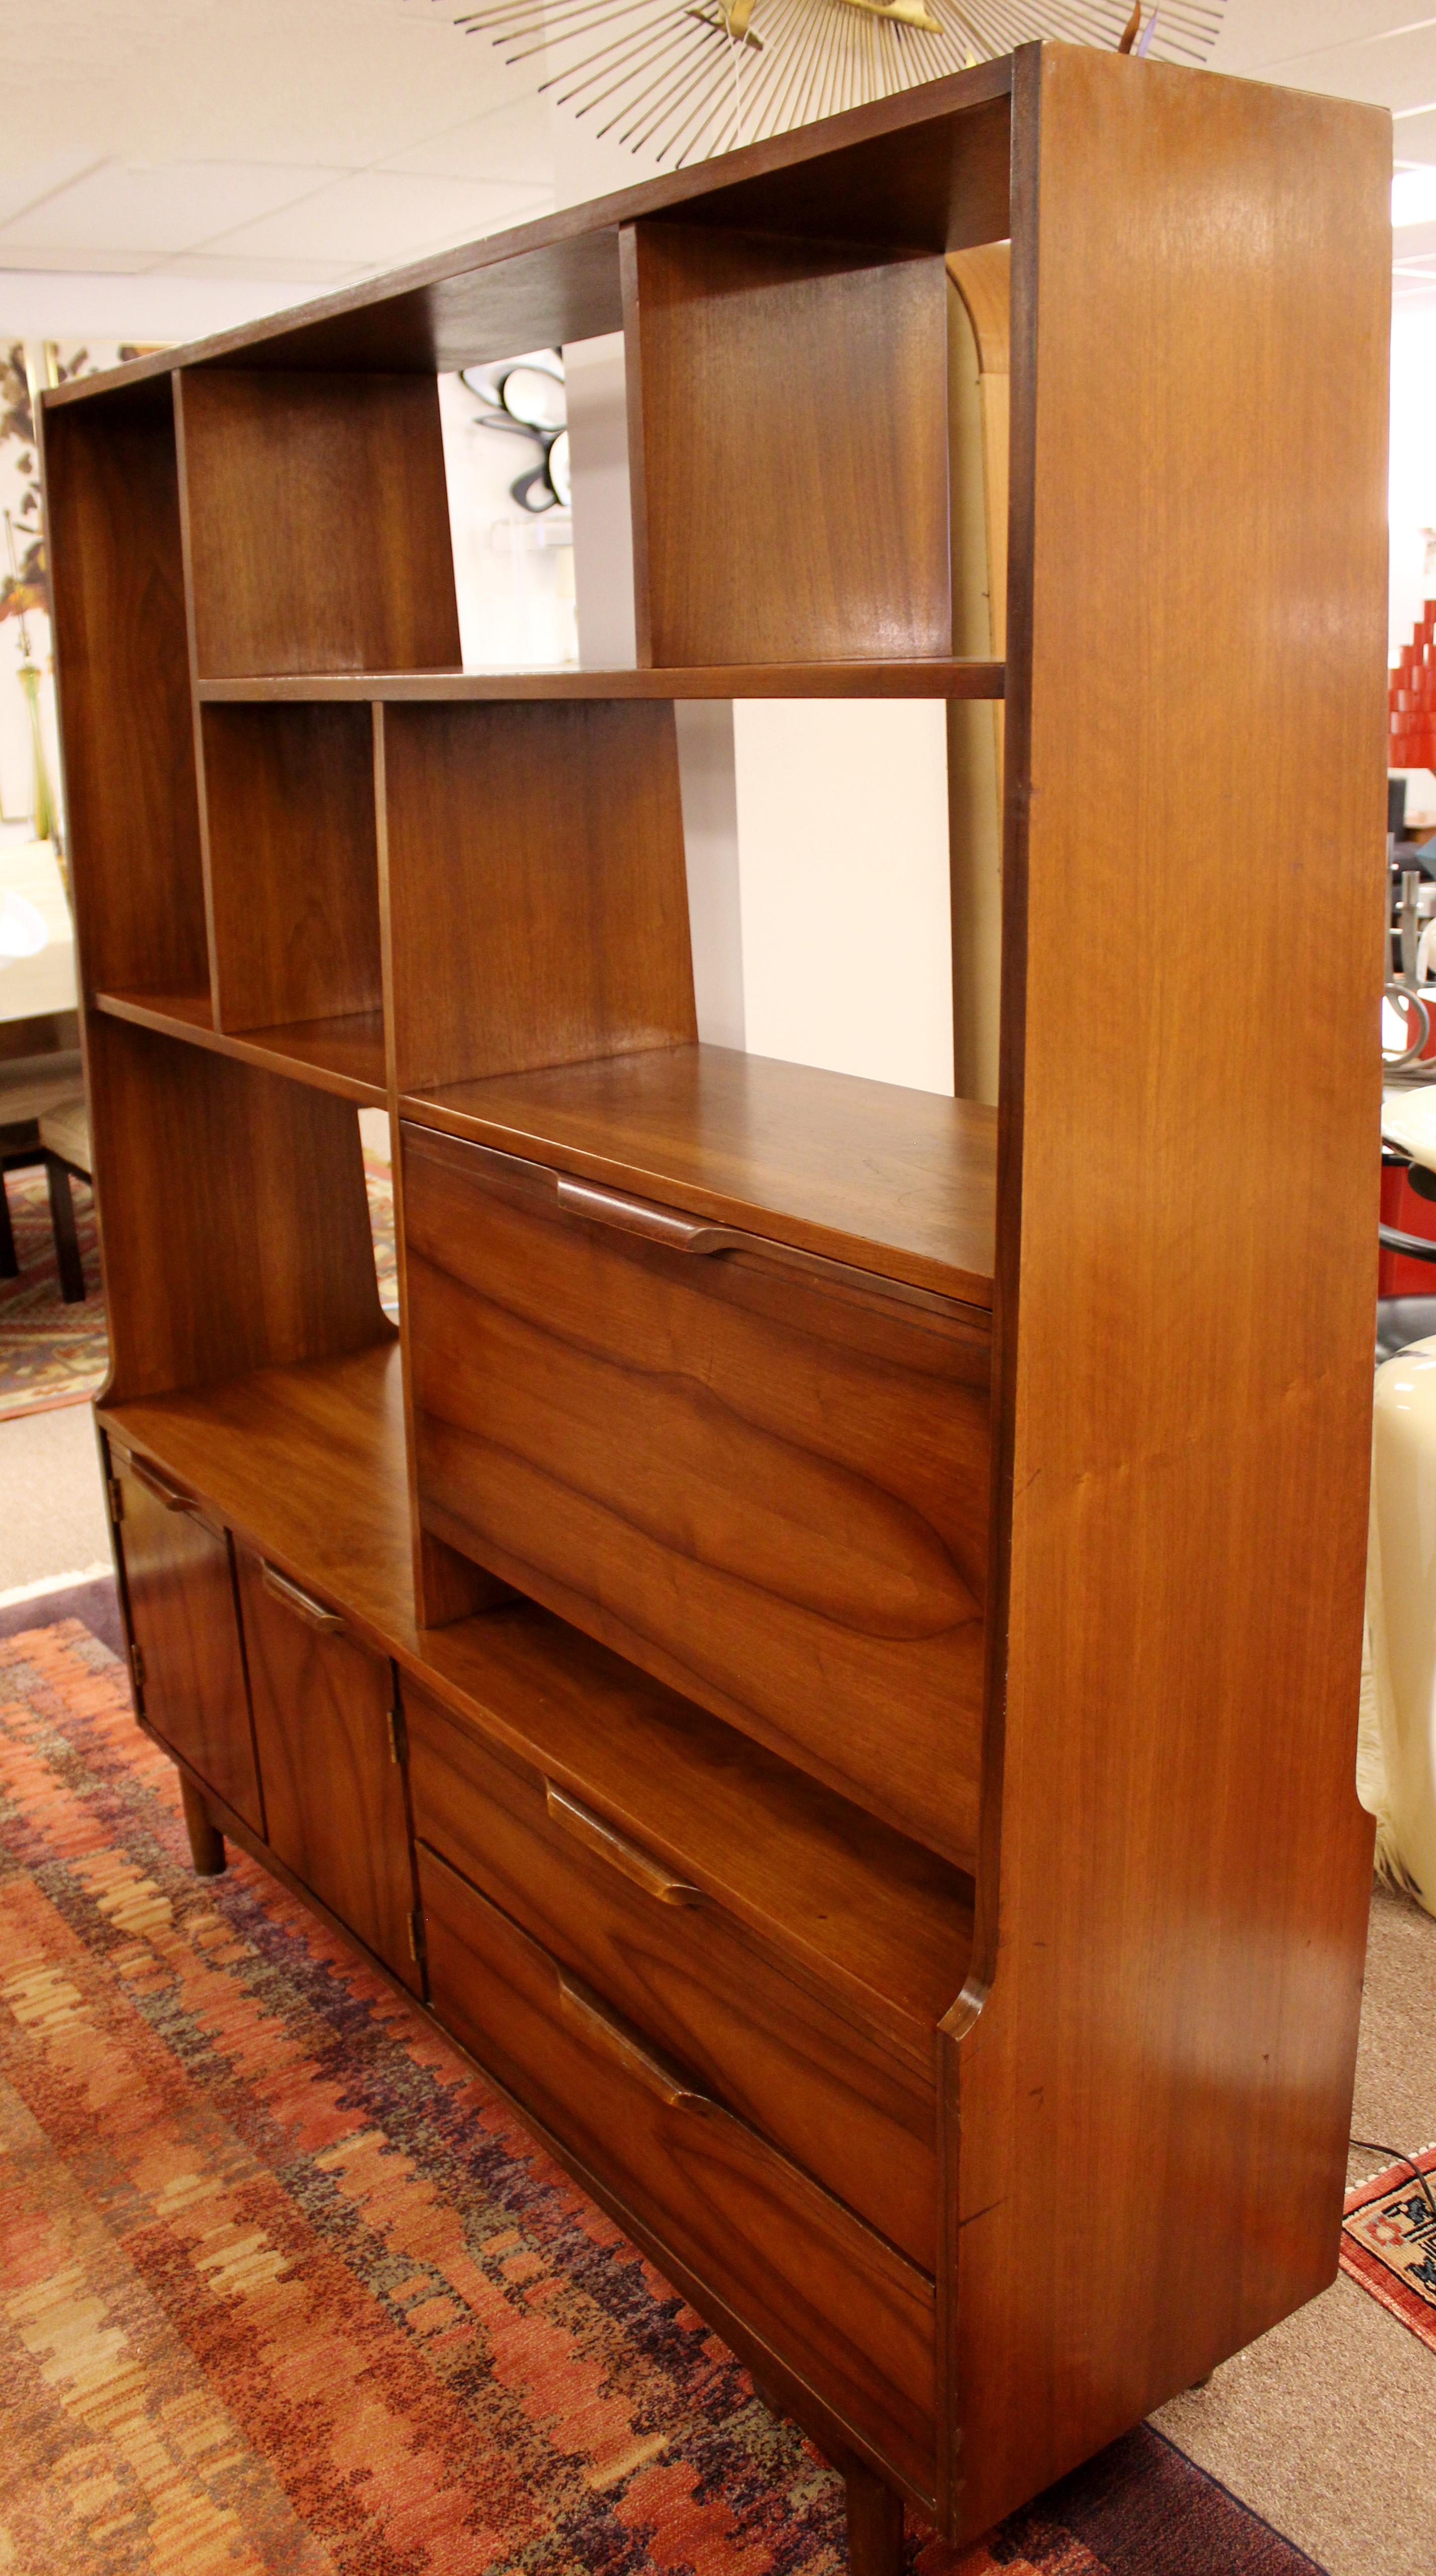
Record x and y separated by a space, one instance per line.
548 841
234 1223
334 1788
848 2103
849 2314
293 864
179 1588
306 1464
787 406
855 1910
132 804
768 1490
317 522
900 1181
1186 1271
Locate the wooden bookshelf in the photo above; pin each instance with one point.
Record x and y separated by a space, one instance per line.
823 1650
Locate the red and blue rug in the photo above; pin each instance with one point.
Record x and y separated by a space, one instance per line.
286 2291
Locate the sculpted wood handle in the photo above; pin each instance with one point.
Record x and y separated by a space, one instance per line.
638 1216
315 1613
591 2020
154 1483
585 1827
696 1234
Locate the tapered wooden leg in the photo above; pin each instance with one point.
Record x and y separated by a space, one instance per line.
62 1223
206 1842
9 1266
874 2525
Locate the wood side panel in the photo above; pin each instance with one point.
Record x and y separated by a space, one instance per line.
234 1223
1173 1960
293 868
334 1789
845 2102
548 840
132 803
788 446
318 522
179 1582
846 2311
767 1490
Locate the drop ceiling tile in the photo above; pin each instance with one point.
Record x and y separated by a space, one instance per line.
24 180
1256 34
385 216
1414 134
319 273
81 263
1413 241
175 206
514 142
1394 71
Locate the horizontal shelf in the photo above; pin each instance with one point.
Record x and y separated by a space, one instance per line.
307 1465
341 1055
896 679
903 1183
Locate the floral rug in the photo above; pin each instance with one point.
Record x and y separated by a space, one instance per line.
53 1354
50 1353
1388 2241
285 2290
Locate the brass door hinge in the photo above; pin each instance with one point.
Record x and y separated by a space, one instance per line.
416 1936
117 1499
398 1742
137 1671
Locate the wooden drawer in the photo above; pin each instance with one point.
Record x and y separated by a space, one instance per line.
329 1752
852 2104
761 1478
179 1581
848 2314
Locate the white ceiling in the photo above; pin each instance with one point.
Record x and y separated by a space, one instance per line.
264 149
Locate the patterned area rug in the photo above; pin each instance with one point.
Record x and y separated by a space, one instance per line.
284 2286
1388 2241
50 1353
53 1354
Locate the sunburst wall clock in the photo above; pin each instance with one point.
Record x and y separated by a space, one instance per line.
683 79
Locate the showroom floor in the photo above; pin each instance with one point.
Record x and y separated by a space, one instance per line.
1324 2426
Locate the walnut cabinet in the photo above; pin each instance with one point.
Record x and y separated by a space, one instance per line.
823 1646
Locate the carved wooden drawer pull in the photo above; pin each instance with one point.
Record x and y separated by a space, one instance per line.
636 1216
592 2021
585 1827
303 1604
695 1234
154 1483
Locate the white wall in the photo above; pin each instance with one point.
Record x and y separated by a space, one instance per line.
843 872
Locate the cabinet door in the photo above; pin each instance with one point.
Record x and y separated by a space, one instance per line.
329 1748
179 1577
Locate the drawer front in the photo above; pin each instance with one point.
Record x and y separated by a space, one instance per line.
329 1752
179 1580
762 1484
856 2112
845 2311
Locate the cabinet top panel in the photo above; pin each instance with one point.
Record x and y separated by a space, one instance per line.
925 170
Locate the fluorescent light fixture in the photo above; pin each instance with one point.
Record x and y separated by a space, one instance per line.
1413 195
